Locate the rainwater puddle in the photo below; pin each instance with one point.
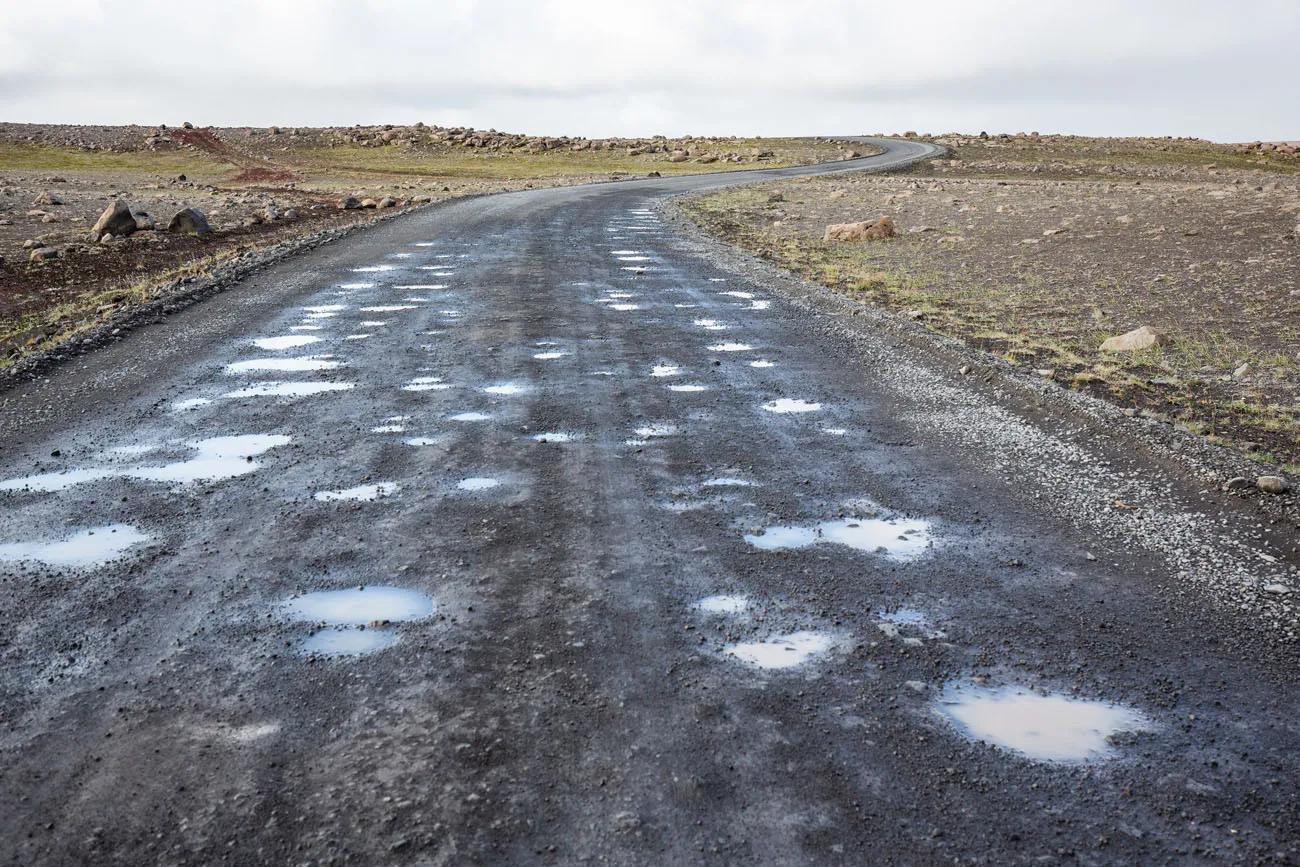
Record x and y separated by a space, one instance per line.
554 437
326 308
748 296
656 430
374 269
356 285
360 494
834 431
347 642
289 389
728 482
357 337
388 308
505 388
478 483
549 356
624 308
306 328
762 362
759 304
389 428
722 604
717 279
620 296
635 259
283 365
426 383
906 617
730 347
895 538
470 416
422 286
688 388
419 441
684 306
359 607
374 323
786 651
47 482
289 341
218 458
625 252
1048 728
665 370
93 547
710 324
787 404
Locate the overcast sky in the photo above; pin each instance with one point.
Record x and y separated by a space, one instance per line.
1211 68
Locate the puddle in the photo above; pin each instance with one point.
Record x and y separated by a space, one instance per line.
289 389
787 404
896 538
834 431
283 365
748 296
218 458
360 494
93 547
906 617
389 428
469 416
730 347
426 386
46 482
388 308
711 324
347 642
684 306
359 607
759 305
549 356
374 269
624 252
717 279
422 286
665 370
688 388
357 337
786 651
619 296
506 388
289 341
722 604
326 308
762 362
373 323
554 437
1049 728
420 441
356 285
623 308
656 430
306 328
728 482
478 483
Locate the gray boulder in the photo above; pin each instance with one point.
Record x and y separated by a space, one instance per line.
143 220
47 198
42 254
189 221
117 220
349 203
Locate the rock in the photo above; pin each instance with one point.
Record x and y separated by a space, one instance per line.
369 203
187 125
41 254
653 175
189 221
47 198
116 220
1124 220
349 203
775 197
678 157
49 218
869 230
964 370
270 213
421 200
1237 483
291 214
839 194
180 178
1139 338
143 221
1243 371
1273 484
30 244
386 202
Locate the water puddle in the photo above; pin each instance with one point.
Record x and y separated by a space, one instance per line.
624 308
422 286
710 324
625 252
93 547
748 296
359 494
374 323
47 482
357 337
635 259
717 279
356 285
728 482
620 296
426 383
785 405
895 538
759 304
326 308
657 430
762 362
685 306
374 269
347 642
730 347
688 388
470 416
420 441
289 341
549 356
834 431
306 328
218 458
722 604
554 437
1048 728
478 483
283 365
289 389
665 370
906 617
786 651
505 388
388 428
388 308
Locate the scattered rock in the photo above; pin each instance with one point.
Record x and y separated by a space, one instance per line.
964 370
869 230
678 157
369 203
117 220
839 194
291 214
1243 371
1273 484
349 203
143 221
1237 483
47 198
189 221
1139 338
187 125
42 254
386 202
775 197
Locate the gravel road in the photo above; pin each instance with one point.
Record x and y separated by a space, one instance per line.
532 529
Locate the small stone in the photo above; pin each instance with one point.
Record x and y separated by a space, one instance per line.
1144 337
386 202
47 198
1277 589
1237 483
1273 484
1243 371
42 254
964 370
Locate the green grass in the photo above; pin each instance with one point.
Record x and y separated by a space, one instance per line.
25 156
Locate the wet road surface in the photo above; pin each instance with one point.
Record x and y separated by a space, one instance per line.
517 530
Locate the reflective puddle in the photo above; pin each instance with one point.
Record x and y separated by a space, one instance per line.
426 383
326 308
283 365
554 437
288 341
47 482
93 547
728 482
218 458
361 493
834 431
730 347
549 356
419 441
347 642
722 604
505 388
787 404
656 430
665 370
356 285
710 324
360 607
372 269
762 362
623 308
289 389
688 388
478 483
896 538
786 651
1049 728
388 308
469 416
748 296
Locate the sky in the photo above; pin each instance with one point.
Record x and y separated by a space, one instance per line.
1208 68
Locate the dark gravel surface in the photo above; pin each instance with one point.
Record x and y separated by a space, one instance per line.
566 701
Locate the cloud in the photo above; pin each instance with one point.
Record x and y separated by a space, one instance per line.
598 68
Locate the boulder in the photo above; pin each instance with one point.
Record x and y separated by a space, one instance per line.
369 203
47 198
869 230
291 214
386 202
349 203
1273 484
117 220
678 157
189 221
41 254
1139 338
143 220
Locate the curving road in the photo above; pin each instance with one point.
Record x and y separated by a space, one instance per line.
526 529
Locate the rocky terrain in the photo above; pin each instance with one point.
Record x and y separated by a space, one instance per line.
260 188
1038 249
